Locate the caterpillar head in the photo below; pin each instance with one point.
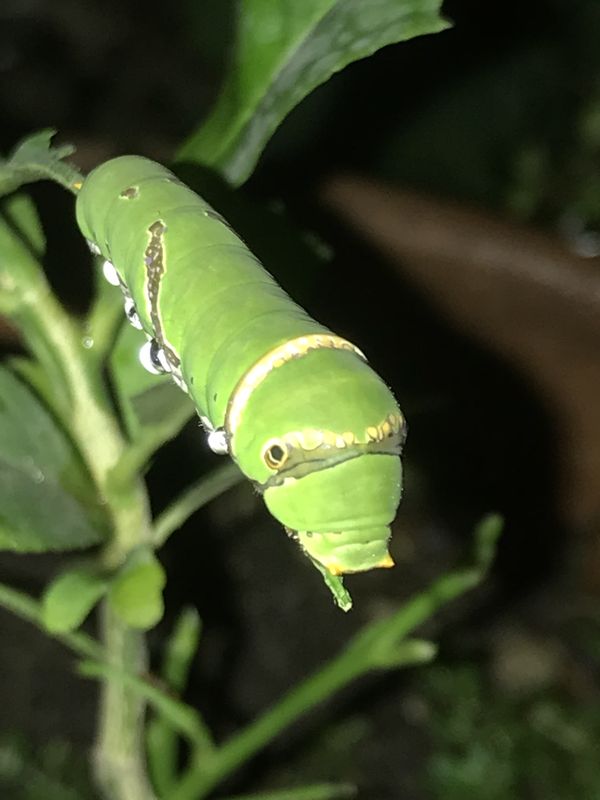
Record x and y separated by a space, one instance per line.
321 435
341 515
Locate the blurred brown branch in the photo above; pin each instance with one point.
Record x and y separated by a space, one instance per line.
8 333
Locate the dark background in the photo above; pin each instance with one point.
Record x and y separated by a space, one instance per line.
500 117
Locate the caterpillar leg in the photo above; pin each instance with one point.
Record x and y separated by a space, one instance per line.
216 438
153 358
110 273
131 313
217 441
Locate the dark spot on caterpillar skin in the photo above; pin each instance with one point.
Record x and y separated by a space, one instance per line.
192 380
130 193
277 452
214 398
157 228
155 266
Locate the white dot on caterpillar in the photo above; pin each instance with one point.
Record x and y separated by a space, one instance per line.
131 313
94 249
150 359
217 441
110 273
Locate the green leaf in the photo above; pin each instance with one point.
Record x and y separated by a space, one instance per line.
180 649
286 48
406 653
135 593
35 159
487 533
46 498
30 610
70 598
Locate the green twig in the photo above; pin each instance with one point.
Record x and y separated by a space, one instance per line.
180 649
105 317
162 741
318 791
204 774
29 609
119 756
380 645
182 718
193 498
134 459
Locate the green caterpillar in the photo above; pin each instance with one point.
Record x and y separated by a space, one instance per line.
296 406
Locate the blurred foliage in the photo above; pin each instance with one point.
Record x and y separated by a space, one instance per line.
55 771
490 746
283 51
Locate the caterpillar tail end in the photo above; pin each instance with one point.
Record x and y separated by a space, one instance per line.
335 584
387 562
341 569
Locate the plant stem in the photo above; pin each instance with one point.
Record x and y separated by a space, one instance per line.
119 763
317 791
120 768
119 754
207 772
181 718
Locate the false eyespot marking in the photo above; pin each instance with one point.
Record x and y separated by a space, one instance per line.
311 444
275 454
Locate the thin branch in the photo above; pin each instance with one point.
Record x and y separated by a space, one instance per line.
318 791
182 718
30 610
380 645
193 498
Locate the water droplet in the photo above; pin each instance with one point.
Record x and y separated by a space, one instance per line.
87 342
